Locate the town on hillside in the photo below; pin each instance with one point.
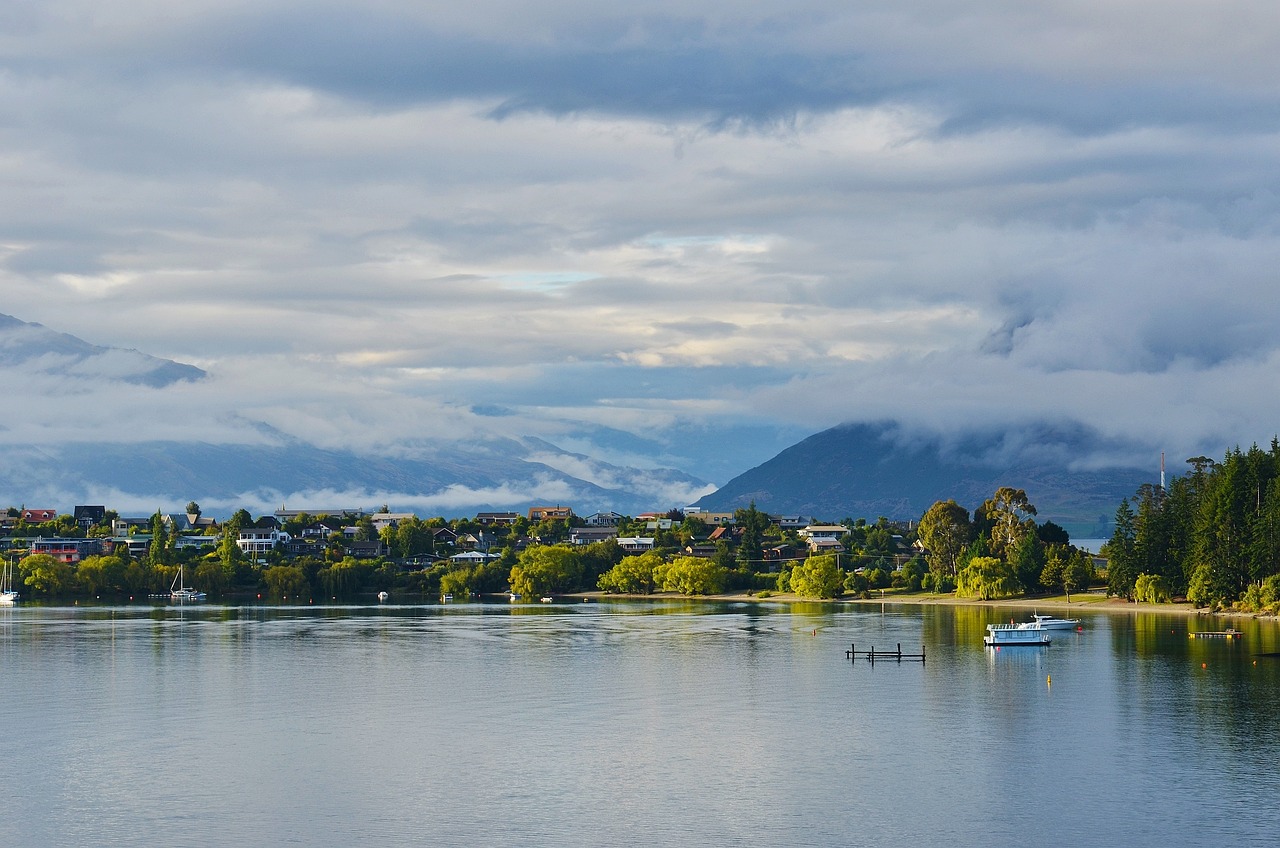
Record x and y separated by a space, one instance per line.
346 553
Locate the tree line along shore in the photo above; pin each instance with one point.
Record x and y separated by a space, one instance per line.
1211 537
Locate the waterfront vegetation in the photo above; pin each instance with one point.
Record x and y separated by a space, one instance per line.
1212 537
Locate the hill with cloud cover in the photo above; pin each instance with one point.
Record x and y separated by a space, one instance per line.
873 470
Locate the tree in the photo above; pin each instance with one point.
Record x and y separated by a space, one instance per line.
632 576
690 576
945 531
545 569
45 574
158 552
1077 574
193 508
285 581
753 523
1028 560
986 578
1151 589
1121 554
818 577
1008 513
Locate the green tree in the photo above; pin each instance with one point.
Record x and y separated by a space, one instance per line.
546 569
1008 513
986 578
45 574
158 552
632 576
1028 559
818 577
1151 589
752 523
285 581
1121 553
690 576
945 531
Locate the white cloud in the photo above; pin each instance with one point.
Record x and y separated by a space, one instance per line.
932 213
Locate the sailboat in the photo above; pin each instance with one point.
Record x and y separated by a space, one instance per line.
178 590
7 595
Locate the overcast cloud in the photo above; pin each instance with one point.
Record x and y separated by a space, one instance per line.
639 232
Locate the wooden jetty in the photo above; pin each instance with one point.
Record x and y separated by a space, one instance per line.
1214 634
873 656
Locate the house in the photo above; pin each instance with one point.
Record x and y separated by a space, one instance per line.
550 513
383 520
260 540
825 546
473 558
196 542
659 524
588 535
708 517
368 550
824 531
602 519
122 526
445 536
188 522
67 550
635 544
39 516
730 535
497 517
702 550
87 516
789 522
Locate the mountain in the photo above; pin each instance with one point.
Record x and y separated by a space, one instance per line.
450 479
873 470
34 347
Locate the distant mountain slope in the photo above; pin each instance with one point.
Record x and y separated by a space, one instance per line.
866 471
487 471
36 347
449 480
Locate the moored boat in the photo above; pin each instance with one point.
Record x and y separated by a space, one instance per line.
1001 635
8 596
1049 622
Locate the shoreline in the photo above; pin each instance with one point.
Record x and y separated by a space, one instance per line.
1087 602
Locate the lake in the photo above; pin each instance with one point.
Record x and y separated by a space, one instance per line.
664 723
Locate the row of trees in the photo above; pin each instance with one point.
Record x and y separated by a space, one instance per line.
1212 535
1000 551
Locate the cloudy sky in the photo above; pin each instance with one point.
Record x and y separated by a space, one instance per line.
665 233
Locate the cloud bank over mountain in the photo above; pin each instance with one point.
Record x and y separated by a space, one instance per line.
665 235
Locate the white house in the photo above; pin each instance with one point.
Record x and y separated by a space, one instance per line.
260 541
636 544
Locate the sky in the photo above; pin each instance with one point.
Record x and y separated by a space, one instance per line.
660 234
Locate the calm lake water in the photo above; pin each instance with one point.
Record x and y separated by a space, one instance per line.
628 724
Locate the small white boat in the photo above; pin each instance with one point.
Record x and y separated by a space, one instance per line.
546 599
1048 622
382 597
446 598
1008 635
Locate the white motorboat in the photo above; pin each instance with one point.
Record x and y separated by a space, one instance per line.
1009 635
1048 622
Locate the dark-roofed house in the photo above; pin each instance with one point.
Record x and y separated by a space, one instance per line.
87 516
